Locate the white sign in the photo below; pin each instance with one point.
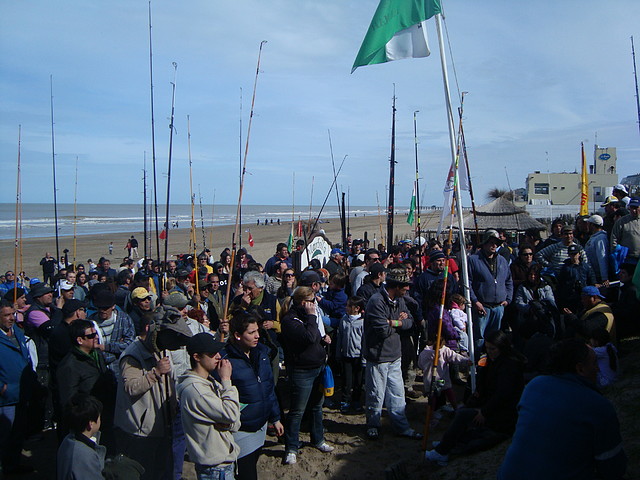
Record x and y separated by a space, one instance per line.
318 248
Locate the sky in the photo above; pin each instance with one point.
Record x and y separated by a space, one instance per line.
541 77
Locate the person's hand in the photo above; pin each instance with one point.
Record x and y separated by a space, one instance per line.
59 302
605 283
3 390
246 298
403 316
279 428
566 311
224 326
327 339
196 297
165 294
268 324
479 419
224 369
480 309
504 304
190 290
309 307
100 347
163 366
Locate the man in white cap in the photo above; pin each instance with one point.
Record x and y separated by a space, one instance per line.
621 193
597 248
626 232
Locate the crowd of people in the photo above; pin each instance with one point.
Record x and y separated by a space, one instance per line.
207 356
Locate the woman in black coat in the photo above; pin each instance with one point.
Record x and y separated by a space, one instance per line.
490 414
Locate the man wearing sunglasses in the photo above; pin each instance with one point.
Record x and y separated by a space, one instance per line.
83 370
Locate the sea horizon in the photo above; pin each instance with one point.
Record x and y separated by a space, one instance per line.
38 219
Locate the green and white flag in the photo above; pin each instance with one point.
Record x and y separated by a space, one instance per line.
412 208
398 30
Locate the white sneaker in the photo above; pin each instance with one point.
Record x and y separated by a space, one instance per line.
291 459
434 457
324 447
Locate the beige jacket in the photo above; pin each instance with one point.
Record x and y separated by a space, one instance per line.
144 405
210 412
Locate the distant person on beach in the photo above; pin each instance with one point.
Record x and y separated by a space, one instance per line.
48 268
110 248
134 247
127 247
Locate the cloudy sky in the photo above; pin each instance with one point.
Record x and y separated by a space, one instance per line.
542 77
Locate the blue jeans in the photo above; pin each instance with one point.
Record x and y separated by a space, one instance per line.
305 388
215 472
484 324
384 385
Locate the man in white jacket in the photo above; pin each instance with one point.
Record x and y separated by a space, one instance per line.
210 409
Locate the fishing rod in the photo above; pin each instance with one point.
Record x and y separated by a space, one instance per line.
466 163
193 220
418 220
240 172
55 191
75 214
173 103
293 211
635 76
18 242
244 169
204 234
144 193
392 170
153 142
342 219
335 178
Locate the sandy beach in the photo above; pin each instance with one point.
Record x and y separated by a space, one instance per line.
265 239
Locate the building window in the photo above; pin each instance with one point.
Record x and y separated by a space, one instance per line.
541 188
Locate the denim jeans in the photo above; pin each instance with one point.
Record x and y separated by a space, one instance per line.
484 324
215 472
384 386
305 388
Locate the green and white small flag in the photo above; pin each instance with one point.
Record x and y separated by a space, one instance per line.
398 30
412 208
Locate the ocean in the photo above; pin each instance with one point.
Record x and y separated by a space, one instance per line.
38 219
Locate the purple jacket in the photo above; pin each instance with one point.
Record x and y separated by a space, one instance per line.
449 334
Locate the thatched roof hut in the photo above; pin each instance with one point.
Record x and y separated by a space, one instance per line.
502 213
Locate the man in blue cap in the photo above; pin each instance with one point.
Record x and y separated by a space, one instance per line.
596 315
335 263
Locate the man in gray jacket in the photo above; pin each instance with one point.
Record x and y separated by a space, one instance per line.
386 313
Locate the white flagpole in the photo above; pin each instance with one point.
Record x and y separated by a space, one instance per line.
463 250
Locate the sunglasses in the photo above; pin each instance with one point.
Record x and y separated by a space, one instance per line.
105 308
91 336
288 274
526 254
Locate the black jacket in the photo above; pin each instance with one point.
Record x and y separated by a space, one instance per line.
301 340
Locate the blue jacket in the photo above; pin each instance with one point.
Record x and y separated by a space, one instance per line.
253 377
334 304
566 430
14 362
485 287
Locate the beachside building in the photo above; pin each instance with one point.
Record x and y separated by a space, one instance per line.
632 182
564 188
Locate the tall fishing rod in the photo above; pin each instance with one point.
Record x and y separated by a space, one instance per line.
244 169
342 219
18 220
240 172
204 234
153 141
415 143
635 76
466 163
392 170
293 209
173 103
335 178
193 220
55 190
75 214
144 193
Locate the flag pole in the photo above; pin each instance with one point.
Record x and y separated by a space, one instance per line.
392 170
463 250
